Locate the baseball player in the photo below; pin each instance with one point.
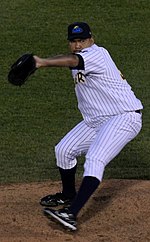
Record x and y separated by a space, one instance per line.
111 119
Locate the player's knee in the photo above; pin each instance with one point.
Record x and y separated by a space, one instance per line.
61 151
65 156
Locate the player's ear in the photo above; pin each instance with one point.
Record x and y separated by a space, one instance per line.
92 40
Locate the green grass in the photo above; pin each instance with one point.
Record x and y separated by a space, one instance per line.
36 116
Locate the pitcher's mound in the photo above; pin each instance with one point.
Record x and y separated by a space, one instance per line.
119 211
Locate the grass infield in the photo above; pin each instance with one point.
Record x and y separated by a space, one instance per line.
37 115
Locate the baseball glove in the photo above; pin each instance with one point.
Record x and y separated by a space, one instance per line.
22 69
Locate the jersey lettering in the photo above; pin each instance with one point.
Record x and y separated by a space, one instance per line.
79 78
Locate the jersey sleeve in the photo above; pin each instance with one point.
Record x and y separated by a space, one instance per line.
94 62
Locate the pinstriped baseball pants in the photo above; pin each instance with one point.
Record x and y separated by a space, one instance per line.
99 145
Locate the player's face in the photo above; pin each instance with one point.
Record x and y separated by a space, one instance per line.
77 45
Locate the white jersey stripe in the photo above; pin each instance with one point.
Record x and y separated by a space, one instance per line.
104 92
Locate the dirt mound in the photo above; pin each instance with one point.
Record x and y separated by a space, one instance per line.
119 211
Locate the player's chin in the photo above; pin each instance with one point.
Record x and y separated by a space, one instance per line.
76 51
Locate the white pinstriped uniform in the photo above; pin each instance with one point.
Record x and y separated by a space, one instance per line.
107 105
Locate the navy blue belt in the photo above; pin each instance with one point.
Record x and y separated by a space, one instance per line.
138 111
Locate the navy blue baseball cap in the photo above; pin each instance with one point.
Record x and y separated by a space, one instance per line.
79 30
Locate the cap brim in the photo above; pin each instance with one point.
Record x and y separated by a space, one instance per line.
79 37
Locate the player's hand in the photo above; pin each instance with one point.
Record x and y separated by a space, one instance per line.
38 61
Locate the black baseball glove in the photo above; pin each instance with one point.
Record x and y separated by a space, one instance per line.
22 69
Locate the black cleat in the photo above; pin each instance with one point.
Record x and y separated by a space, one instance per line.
63 216
55 200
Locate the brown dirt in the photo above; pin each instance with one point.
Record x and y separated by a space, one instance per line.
119 211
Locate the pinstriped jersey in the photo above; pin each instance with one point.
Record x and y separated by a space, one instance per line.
100 87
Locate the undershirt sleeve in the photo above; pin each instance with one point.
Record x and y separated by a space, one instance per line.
80 66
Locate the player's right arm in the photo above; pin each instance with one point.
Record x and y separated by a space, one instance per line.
57 61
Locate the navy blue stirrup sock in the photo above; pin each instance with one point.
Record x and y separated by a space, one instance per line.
68 181
88 186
